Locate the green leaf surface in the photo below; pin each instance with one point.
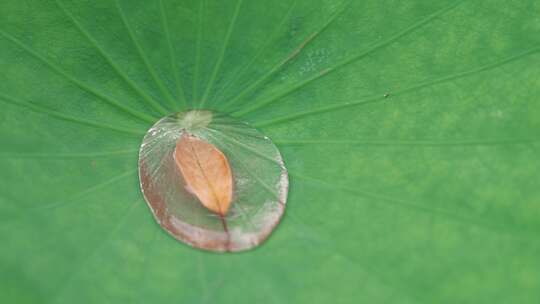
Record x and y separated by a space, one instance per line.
411 130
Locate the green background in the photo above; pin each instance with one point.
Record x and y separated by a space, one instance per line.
410 128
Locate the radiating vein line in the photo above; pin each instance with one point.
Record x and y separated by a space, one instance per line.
94 250
52 113
74 198
288 59
399 289
249 171
381 97
198 51
201 278
239 132
145 266
210 296
64 156
236 75
417 25
405 204
306 231
172 56
243 213
5 197
250 149
327 243
219 62
144 58
411 143
61 72
369 270
111 63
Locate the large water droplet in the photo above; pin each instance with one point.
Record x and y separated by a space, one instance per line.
260 182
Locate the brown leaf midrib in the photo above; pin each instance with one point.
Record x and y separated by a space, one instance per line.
210 186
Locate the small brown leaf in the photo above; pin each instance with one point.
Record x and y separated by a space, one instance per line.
206 172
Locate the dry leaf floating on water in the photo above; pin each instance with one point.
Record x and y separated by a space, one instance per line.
206 173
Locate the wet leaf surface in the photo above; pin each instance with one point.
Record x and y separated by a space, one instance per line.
212 181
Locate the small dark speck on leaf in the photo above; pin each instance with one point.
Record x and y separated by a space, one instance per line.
386 95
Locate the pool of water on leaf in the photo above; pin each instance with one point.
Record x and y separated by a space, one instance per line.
259 182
